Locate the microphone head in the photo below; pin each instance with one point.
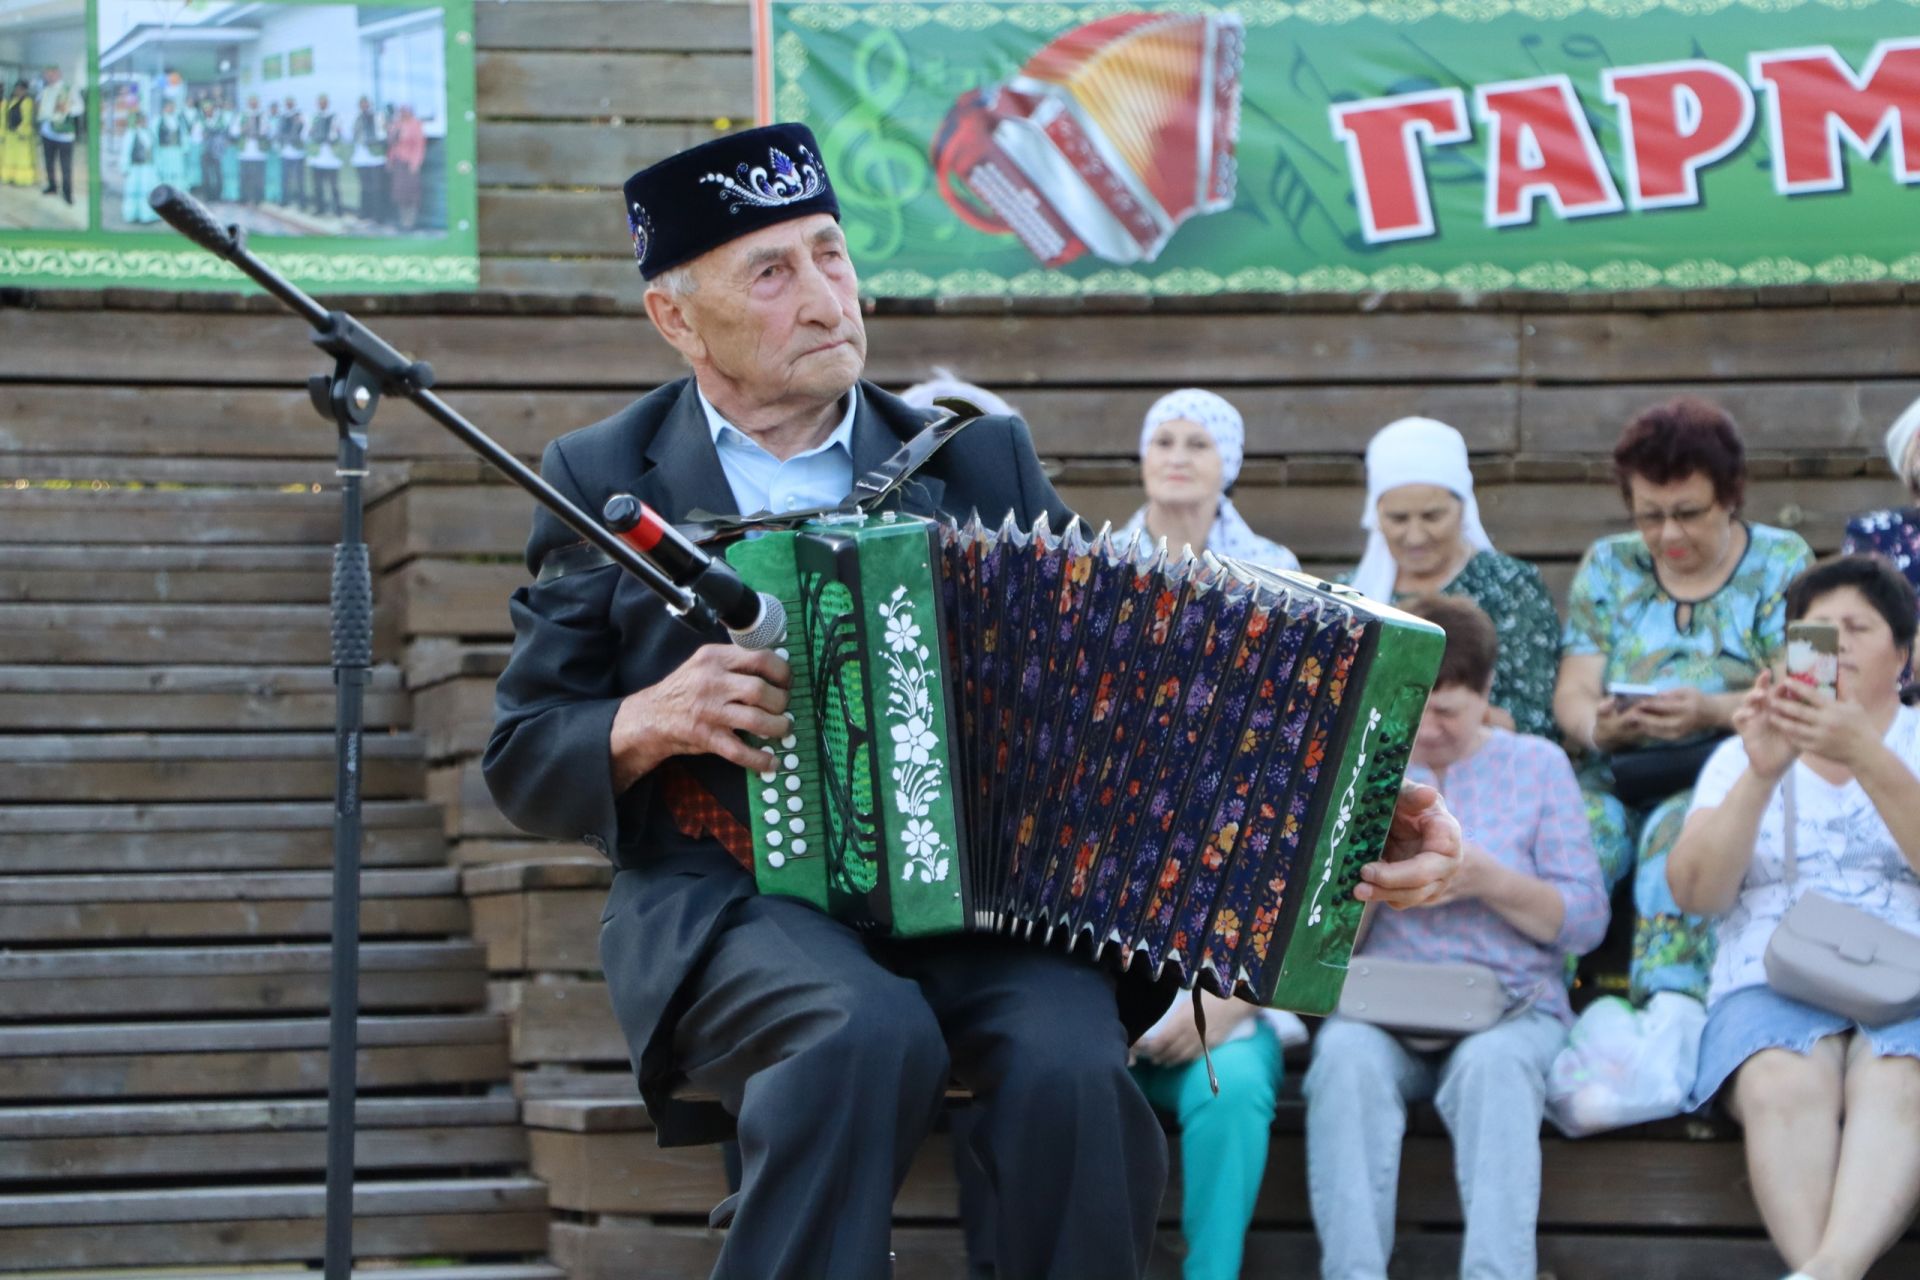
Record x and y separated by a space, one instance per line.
767 630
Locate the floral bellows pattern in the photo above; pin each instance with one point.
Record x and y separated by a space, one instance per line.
704 197
1084 738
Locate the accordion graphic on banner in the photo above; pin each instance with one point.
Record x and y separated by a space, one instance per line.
1105 142
1180 764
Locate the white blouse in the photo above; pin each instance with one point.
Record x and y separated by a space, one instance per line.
1844 848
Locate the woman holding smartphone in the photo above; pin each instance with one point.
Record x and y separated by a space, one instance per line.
1831 1106
1692 604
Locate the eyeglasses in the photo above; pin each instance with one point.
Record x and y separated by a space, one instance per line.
1685 517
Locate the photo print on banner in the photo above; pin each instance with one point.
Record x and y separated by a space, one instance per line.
339 137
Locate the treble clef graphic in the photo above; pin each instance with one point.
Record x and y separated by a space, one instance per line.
875 172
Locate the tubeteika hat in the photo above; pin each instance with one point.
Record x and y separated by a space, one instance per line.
719 191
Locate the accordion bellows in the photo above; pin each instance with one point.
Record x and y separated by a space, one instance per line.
1106 140
1177 764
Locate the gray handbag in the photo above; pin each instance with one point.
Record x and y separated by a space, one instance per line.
1410 998
1840 958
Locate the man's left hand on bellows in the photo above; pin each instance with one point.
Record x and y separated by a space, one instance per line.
1422 853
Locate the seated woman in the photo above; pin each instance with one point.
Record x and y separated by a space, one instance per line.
1190 450
1831 1107
1424 537
1528 895
1692 604
1895 532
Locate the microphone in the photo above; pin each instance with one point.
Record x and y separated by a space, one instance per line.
193 220
754 619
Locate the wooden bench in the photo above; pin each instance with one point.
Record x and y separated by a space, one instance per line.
1682 1184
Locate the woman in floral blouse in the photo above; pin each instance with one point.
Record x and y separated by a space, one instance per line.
1895 532
1693 604
1424 537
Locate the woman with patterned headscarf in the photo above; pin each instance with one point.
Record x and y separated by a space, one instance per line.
1895 532
1190 450
1424 537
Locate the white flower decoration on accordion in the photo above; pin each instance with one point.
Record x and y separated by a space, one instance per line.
918 773
779 182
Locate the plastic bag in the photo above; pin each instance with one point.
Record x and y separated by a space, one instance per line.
1623 1065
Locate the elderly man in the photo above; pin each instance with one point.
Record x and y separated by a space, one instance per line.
616 726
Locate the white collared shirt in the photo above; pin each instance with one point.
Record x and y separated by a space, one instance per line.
820 477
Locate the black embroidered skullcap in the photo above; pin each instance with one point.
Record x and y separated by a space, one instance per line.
718 191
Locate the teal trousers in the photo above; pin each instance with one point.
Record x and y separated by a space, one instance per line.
1223 1144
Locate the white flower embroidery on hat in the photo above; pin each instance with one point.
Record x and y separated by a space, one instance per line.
780 182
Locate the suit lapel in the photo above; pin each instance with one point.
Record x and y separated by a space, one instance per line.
684 472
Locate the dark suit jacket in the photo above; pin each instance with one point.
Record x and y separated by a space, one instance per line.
584 641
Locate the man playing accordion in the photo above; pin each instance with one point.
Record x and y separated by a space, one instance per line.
617 727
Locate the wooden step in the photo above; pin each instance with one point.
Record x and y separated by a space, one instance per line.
542 916
289 904
256 1224
215 1141
127 838
167 575
238 980
229 698
142 517
242 1059
144 634
484 1271
51 769
425 1271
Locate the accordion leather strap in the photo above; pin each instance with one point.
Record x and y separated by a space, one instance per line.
869 492
697 813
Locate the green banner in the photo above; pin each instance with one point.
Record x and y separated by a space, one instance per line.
338 137
1040 149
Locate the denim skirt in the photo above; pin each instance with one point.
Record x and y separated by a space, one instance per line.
1758 1017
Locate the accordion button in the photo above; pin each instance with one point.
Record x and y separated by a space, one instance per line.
774 838
789 742
782 653
796 825
799 848
768 776
793 804
791 762
793 783
771 817
769 796
776 860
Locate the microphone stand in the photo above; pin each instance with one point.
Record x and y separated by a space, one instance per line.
364 369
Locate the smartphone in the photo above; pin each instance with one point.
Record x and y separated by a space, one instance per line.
1625 693
1813 654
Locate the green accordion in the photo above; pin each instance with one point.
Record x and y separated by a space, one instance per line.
1180 764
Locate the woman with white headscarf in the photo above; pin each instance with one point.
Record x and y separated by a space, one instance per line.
1424 537
1190 450
1191 446
1895 532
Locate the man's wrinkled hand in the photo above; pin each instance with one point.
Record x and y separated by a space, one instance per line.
716 695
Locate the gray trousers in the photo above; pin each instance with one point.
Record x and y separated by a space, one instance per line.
1490 1090
834 1052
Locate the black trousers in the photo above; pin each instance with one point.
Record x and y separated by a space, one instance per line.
833 1052
253 181
326 187
58 155
293 182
